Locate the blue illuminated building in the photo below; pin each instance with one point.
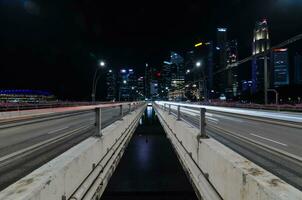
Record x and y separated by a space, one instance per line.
280 67
127 85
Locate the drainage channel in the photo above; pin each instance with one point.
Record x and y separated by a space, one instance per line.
149 168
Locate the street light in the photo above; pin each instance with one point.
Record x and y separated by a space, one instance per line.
198 64
102 64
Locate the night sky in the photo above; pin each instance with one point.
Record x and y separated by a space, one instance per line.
54 45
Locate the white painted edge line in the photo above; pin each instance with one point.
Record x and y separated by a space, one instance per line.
274 141
57 130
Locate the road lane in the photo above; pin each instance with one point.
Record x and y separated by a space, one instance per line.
289 137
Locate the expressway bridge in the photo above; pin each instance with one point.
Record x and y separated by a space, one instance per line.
165 150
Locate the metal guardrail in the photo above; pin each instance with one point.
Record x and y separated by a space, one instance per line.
98 115
202 118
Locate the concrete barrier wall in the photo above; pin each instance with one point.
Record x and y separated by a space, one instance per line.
61 177
214 168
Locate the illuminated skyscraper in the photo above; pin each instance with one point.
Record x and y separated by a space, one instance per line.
205 55
147 79
111 85
222 39
261 40
127 85
177 70
232 74
261 43
221 60
140 88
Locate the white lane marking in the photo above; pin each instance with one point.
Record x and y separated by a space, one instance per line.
211 119
57 130
269 139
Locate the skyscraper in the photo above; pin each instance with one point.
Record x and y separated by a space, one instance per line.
127 85
147 79
111 85
205 55
132 82
177 70
140 88
261 40
232 74
221 60
222 39
298 69
166 79
261 43
280 67
166 76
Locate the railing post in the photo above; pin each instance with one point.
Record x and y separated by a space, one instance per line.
202 123
169 109
129 107
178 113
98 122
121 112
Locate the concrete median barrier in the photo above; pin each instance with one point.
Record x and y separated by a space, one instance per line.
65 175
220 173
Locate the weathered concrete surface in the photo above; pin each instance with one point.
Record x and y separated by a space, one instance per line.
60 178
232 176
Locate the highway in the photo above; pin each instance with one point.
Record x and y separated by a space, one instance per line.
27 144
270 139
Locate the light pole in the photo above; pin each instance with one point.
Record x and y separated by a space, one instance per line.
95 80
265 80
